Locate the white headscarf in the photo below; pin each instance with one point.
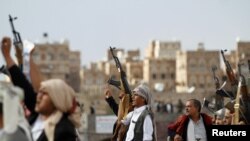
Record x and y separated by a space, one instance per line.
143 90
63 97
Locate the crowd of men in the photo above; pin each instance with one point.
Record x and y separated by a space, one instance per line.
47 110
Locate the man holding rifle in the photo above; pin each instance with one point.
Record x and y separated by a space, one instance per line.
125 103
140 120
125 125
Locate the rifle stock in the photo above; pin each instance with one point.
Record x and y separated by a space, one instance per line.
4 70
115 83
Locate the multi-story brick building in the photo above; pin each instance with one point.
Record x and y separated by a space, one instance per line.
55 60
134 67
92 88
159 67
160 75
243 57
162 49
193 70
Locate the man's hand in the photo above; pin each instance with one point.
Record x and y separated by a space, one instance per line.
121 94
107 91
6 46
177 137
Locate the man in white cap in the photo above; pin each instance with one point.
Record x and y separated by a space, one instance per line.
140 120
220 114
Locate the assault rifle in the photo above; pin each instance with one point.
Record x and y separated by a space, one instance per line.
244 96
219 100
123 84
243 89
17 41
229 70
216 79
230 74
125 104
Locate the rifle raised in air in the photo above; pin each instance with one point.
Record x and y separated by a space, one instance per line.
216 79
245 99
229 70
230 74
124 83
219 100
17 41
125 103
244 91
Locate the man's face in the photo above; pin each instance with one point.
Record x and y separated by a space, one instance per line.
44 104
137 100
219 121
228 118
190 109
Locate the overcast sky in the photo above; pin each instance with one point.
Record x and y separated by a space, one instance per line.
91 26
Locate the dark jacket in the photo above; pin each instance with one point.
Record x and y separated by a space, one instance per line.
64 130
114 106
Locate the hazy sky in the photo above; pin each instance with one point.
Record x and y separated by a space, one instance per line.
91 26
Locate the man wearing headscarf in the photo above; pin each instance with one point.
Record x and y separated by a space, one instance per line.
54 111
56 102
140 120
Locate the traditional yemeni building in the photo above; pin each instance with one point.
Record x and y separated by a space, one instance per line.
170 76
55 60
159 69
243 57
193 70
162 49
134 67
134 71
160 75
74 70
93 81
93 78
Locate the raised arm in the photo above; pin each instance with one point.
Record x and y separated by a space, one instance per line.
110 100
17 76
35 74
